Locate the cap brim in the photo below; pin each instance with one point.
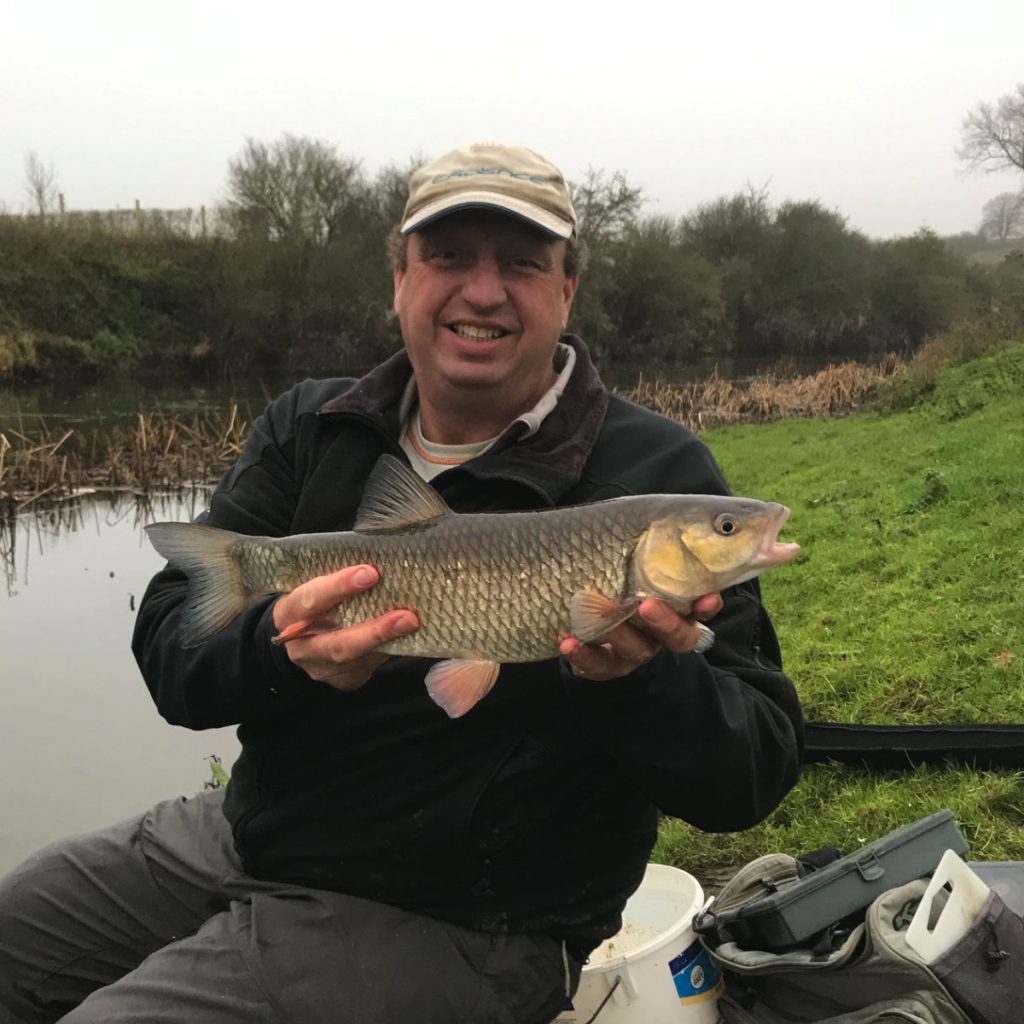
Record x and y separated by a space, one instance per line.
548 222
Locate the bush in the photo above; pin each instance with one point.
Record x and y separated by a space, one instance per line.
26 354
955 374
922 288
17 354
111 351
736 277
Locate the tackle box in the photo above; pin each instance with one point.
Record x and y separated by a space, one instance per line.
1005 877
784 908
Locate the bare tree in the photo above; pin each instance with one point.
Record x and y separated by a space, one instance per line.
605 208
731 227
40 183
1003 216
390 189
301 187
992 134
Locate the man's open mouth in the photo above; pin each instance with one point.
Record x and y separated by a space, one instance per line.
474 333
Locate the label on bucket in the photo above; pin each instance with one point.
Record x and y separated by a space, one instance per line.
695 974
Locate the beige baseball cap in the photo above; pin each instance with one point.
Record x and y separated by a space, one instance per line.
512 179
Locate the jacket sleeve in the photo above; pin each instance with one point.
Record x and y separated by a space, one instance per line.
717 738
237 674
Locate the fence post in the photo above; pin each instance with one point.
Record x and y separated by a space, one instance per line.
202 221
138 218
60 206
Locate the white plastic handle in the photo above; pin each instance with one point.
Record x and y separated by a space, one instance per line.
952 921
632 993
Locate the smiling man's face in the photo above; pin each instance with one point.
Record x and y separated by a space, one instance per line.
482 302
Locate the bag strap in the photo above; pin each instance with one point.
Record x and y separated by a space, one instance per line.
753 881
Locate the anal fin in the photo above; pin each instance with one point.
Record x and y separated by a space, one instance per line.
458 684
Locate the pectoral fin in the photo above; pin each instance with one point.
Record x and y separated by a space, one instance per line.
457 685
707 639
591 615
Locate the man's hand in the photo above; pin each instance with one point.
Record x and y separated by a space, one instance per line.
344 658
627 647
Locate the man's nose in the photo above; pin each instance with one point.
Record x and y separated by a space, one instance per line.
484 285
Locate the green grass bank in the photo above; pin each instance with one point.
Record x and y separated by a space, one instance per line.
904 605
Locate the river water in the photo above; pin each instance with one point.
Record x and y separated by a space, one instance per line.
82 744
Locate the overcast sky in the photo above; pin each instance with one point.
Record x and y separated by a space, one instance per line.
855 104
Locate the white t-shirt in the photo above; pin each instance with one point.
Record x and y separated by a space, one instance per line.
428 459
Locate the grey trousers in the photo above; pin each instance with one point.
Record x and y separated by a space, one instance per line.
154 921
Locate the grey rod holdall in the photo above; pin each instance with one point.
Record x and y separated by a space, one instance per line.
823 940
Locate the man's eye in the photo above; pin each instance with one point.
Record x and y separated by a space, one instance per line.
526 263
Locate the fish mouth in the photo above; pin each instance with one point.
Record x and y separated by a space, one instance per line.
772 550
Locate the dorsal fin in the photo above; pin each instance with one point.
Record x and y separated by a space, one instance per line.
395 497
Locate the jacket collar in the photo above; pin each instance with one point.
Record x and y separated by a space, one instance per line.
551 460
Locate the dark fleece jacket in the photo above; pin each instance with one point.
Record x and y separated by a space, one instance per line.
538 810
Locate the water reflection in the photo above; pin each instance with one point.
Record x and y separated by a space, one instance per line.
56 404
81 744
39 532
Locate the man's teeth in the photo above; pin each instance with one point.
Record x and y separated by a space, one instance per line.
477 333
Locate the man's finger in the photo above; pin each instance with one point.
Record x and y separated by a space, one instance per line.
707 607
591 661
312 599
660 617
676 632
364 637
631 645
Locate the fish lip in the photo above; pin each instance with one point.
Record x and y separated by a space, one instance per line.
772 550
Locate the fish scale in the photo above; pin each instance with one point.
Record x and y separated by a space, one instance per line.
509 601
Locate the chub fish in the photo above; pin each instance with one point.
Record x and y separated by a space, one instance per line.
487 587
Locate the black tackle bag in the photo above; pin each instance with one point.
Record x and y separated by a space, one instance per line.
822 940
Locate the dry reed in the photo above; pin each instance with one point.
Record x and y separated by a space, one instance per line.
837 390
156 452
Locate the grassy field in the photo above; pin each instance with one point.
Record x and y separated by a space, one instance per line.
904 605
985 252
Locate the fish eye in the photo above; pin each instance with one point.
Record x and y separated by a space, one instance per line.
726 524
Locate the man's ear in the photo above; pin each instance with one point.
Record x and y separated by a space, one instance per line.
568 294
398 276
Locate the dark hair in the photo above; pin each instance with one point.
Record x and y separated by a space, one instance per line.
575 261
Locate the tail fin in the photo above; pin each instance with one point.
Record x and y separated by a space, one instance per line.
215 594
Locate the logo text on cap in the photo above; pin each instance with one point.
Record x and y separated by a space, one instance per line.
518 175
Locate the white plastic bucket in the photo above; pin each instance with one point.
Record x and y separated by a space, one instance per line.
654 971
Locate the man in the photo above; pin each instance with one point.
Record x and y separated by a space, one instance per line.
372 860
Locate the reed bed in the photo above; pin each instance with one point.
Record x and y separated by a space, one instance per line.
154 453
838 390
160 452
